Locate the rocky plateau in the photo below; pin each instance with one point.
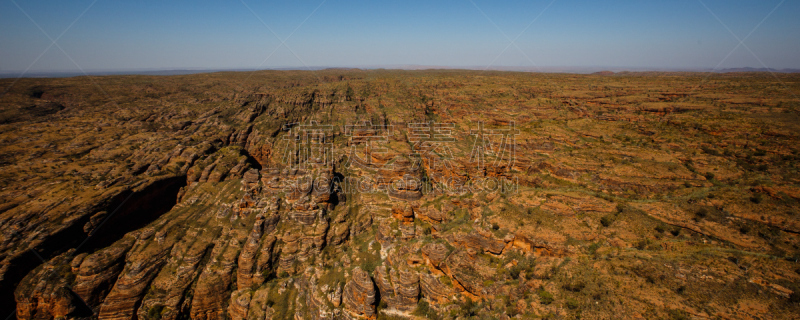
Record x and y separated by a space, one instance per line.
447 194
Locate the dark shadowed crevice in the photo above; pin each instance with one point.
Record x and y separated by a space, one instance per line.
18 267
250 159
81 309
142 208
129 211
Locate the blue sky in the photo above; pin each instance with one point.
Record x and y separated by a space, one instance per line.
177 34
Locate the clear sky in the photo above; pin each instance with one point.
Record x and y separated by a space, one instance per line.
178 34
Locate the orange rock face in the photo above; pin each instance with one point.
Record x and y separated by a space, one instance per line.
359 295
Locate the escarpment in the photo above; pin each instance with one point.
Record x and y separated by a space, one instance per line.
351 194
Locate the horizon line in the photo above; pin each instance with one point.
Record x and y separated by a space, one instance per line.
410 67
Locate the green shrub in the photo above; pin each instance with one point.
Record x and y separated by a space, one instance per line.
283 304
370 265
572 304
594 247
349 93
155 312
545 297
575 287
469 308
524 264
642 244
710 151
382 305
424 310
678 315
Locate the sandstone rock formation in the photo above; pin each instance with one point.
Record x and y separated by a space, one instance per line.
359 294
339 194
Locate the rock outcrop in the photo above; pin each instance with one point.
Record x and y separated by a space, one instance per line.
400 290
125 296
98 271
359 295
